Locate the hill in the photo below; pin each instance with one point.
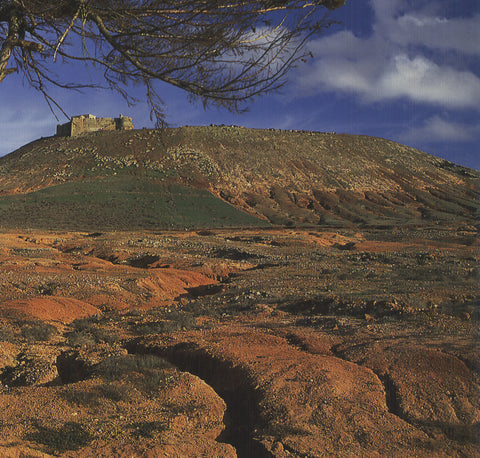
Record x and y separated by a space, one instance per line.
251 341
219 176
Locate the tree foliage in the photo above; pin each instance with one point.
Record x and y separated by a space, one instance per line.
223 52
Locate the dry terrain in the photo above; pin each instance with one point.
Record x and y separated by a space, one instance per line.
250 343
203 177
221 291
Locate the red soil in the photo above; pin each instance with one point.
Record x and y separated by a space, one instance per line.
62 309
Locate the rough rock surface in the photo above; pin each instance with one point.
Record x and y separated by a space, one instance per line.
281 177
60 309
320 405
281 342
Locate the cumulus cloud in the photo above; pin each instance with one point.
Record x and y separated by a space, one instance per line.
400 23
404 57
436 129
462 35
424 26
422 80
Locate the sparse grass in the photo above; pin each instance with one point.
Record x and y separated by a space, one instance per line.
38 331
115 392
70 436
159 321
80 339
148 428
6 334
156 327
234 254
151 368
112 391
47 289
87 332
115 203
81 397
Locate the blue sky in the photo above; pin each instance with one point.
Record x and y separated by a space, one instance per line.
404 70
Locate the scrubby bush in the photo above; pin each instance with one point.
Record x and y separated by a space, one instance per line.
6 334
79 339
38 331
166 321
115 367
71 436
151 368
155 327
112 391
87 332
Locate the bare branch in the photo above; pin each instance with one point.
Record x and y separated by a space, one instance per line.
223 52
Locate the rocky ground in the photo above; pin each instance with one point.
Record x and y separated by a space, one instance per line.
250 343
203 177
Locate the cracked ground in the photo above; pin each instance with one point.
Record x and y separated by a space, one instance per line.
250 343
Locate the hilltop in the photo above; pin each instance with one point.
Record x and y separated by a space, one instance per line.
328 306
225 176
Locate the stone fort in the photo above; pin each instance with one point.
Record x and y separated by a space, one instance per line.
89 123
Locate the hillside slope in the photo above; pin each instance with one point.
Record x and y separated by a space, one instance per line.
241 177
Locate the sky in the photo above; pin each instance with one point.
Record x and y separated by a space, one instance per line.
404 70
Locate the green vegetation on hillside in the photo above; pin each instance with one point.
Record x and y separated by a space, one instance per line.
289 177
120 203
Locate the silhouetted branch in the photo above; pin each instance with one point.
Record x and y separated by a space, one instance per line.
221 52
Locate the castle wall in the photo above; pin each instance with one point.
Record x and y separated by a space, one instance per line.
64 130
124 123
85 125
88 123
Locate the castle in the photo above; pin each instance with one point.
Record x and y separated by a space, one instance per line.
89 123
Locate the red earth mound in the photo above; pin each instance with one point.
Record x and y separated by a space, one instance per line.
61 309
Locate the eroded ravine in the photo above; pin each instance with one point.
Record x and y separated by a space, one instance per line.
284 400
232 383
432 390
304 369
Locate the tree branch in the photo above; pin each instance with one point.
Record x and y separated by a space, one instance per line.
219 51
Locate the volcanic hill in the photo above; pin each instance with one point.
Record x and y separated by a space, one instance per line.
220 176
353 333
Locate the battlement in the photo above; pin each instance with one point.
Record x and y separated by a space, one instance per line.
83 124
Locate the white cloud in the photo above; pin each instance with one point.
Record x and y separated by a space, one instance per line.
459 34
418 79
385 10
392 63
436 129
399 22
422 80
